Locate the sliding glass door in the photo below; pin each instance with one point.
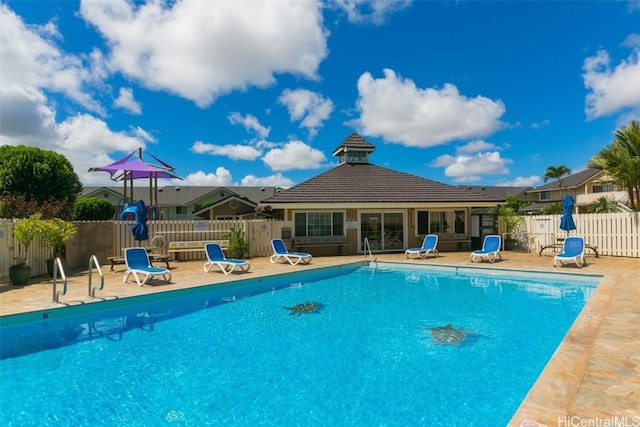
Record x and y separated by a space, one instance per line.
384 230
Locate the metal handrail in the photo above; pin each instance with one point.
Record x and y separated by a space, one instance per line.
367 247
91 292
57 266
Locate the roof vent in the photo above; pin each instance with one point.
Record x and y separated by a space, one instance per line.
177 188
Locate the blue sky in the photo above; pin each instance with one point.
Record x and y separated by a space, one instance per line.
260 93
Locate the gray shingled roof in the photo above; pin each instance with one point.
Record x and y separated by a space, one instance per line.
497 192
571 181
184 195
366 183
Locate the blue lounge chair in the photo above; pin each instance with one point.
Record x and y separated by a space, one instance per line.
281 251
428 246
572 250
215 256
138 263
490 249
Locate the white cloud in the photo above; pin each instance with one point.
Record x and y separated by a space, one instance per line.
31 59
234 152
294 155
540 125
396 110
84 140
275 180
86 133
200 49
250 123
221 177
309 107
369 11
611 89
521 181
25 118
127 101
471 168
475 147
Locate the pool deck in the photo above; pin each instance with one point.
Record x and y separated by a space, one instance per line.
594 375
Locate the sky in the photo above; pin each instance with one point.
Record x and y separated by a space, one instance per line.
261 93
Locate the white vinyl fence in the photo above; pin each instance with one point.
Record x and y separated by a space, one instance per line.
108 238
614 234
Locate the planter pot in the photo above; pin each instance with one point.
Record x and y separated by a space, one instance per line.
20 274
510 244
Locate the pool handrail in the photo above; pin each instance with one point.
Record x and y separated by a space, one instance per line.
57 266
91 292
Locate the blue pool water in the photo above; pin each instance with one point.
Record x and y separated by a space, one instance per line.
233 356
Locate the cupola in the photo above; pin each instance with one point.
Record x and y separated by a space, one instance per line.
354 149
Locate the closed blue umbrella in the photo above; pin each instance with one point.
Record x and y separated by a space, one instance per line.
140 230
566 222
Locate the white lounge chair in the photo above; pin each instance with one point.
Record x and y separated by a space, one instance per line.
490 249
428 246
138 263
215 256
572 250
281 251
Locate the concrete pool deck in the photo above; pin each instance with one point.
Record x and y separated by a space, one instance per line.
593 376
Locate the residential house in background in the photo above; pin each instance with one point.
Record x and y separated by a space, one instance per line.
585 187
191 202
335 211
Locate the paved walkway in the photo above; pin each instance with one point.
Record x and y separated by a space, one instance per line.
593 377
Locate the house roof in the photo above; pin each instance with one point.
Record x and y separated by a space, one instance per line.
499 193
572 181
185 195
368 183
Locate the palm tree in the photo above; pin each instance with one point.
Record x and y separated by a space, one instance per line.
556 172
621 160
603 205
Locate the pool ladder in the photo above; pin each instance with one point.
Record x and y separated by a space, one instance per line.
367 250
57 267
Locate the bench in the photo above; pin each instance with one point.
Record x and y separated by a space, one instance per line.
194 245
115 260
559 246
303 242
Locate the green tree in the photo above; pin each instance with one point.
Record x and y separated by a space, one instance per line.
556 172
37 175
552 209
621 160
603 205
92 209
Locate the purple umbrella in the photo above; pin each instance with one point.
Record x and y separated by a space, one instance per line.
128 170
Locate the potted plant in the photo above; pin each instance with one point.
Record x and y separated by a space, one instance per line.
512 220
24 232
238 246
55 233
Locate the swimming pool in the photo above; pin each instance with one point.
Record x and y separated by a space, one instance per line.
233 355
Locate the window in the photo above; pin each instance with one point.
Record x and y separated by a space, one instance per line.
423 222
310 224
181 210
604 188
434 222
545 195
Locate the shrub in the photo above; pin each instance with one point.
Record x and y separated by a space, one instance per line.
92 209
